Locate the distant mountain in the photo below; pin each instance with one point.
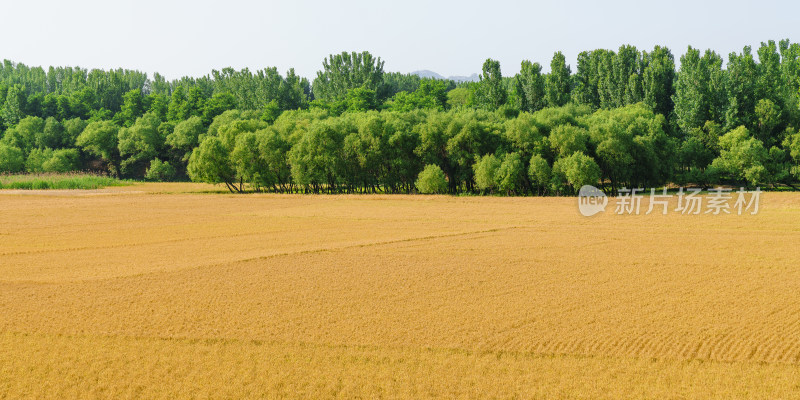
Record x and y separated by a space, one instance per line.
430 74
427 74
471 78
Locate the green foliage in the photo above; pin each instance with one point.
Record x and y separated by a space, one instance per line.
631 146
576 170
36 158
72 129
49 160
316 158
211 163
485 170
360 99
458 97
271 112
558 82
229 132
62 160
250 166
11 112
568 139
139 144
345 71
160 171
539 172
490 92
24 134
657 80
631 113
100 139
431 180
510 175
792 144
11 158
530 87
57 181
768 117
700 94
431 94
185 137
52 136
741 158
133 107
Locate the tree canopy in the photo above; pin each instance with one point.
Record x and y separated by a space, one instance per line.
624 118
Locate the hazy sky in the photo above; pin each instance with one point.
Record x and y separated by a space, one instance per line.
449 37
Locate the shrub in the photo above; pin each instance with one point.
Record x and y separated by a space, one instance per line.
539 171
485 172
160 171
510 176
576 170
36 159
11 159
64 160
432 180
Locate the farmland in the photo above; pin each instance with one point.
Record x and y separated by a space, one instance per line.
164 290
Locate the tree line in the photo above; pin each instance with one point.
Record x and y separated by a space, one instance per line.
624 118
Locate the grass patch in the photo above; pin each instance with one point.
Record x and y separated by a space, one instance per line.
58 181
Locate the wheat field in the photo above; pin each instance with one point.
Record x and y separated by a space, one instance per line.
168 291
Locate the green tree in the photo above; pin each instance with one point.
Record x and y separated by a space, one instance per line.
72 129
485 170
627 74
431 94
700 94
36 159
530 87
160 171
768 117
14 104
248 162
52 136
210 163
491 93
792 144
576 170
100 139
316 159
539 172
185 137
741 158
133 107
458 97
11 159
431 180
345 71
23 135
587 79
569 139
139 144
657 80
361 99
274 149
742 88
510 175
558 81
62 160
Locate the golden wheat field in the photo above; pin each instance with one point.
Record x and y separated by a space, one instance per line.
167 291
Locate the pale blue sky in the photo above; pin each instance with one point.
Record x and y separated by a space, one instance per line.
449 37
